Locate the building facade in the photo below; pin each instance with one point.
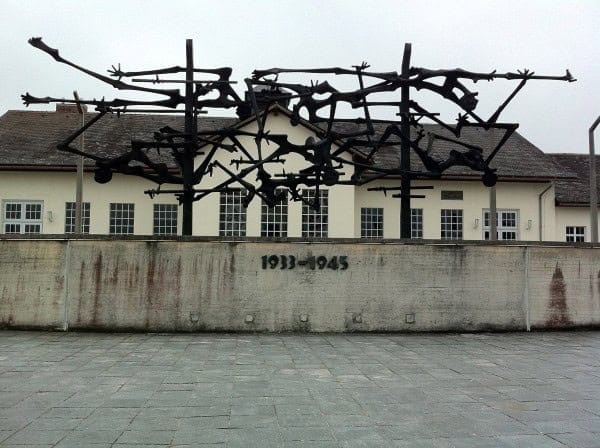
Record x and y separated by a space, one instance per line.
538 196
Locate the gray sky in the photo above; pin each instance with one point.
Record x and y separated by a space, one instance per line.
546 36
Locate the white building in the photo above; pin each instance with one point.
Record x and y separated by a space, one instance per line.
539 196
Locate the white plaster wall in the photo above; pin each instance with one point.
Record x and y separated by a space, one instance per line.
509 195
572 216
341 200
57 188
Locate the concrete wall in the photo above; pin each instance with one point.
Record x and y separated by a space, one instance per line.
193 285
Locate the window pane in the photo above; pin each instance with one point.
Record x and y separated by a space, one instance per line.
232 213
371 222
315 213
70 217
451 224
121 219
274 219
507 225
165 219
22 216
416 223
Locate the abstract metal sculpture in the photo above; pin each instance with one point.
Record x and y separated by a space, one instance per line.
339 143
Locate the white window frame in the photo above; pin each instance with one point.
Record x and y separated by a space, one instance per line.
315 223
124 224
452 229
575 234
164 219
232 213
274 220
371 222
416 223
23 222
502 230
70 217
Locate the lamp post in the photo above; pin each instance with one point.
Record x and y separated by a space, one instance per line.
593 186
79 184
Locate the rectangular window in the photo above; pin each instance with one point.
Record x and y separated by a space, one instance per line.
70 217
315 222
452 195
164 220
121 219
575 234
371 222
416 223
507 224
22 216
232 213
274 220
451 224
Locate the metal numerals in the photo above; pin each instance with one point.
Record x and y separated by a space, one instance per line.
290 262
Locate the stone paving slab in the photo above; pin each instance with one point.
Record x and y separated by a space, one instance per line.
354 390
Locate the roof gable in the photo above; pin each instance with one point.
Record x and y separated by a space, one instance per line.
29 139
575 191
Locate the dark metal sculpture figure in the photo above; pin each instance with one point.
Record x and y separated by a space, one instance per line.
339 143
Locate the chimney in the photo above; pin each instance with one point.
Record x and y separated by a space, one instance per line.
265 96
69 108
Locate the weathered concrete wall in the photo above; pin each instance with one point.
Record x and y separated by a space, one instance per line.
200 285
564 287
32 283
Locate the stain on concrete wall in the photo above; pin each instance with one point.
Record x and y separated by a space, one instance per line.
558 307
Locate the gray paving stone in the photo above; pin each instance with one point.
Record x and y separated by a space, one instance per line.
33 437
151 437
472 390
307 434
89 437
5 433
252 421
578 439
532 441
196 437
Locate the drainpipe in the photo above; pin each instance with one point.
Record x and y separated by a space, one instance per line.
593 186
493 215
540 209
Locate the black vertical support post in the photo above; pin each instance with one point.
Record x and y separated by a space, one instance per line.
190 141
405 146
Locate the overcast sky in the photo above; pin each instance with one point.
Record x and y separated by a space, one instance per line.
546 36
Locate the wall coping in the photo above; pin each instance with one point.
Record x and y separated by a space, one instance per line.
242 240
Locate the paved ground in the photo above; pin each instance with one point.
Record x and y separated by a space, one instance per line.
123 390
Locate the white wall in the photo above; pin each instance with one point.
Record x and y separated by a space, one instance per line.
57 188
341 201
519 196
572 216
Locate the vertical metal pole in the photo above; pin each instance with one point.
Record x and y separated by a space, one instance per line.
593 186
493 215
191 137
79 182
405 146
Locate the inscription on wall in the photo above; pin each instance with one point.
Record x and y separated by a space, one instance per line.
312 262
